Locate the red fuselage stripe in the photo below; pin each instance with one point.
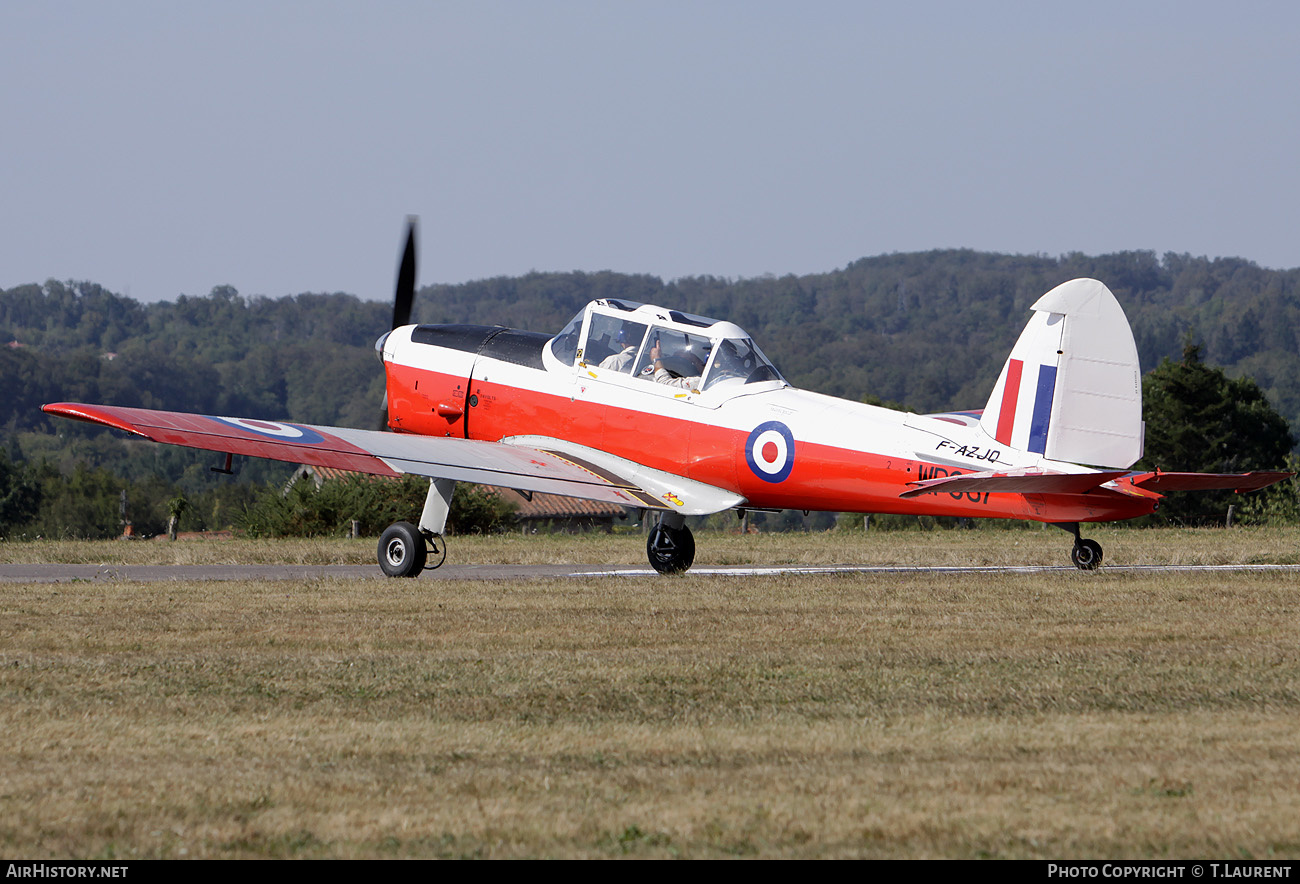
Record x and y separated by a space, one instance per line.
822 476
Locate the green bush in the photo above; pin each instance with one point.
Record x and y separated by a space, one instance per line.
307 511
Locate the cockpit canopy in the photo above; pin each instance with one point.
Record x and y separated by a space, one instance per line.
623 336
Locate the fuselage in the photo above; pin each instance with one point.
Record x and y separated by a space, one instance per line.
779 447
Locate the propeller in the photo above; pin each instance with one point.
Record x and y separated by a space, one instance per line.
403 296
405 293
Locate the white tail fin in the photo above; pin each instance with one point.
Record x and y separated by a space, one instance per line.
1071 389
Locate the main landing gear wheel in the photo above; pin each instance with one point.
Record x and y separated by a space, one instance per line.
402 552
670 550
1086 554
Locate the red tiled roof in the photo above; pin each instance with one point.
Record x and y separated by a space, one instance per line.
331 473
557 506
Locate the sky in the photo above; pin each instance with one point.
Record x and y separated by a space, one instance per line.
165 148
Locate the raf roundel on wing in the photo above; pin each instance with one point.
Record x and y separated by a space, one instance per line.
274 430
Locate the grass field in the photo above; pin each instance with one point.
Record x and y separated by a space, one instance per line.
1060 714
990 545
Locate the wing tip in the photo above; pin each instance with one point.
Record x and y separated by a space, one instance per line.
89 413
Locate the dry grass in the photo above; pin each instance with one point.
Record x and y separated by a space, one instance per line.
1008 715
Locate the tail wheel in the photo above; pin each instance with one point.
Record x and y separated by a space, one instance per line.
402 552
1086 555
670 550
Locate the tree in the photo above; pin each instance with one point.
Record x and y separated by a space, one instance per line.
479 510
176 508
1278 504
1198 419
20 495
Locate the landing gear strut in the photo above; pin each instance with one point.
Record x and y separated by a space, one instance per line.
1086 554
671 546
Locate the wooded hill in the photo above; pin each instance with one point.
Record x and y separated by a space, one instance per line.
929 330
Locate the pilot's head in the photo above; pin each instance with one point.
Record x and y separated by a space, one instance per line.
730 362
681 358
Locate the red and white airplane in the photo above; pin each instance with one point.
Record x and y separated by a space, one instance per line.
658 410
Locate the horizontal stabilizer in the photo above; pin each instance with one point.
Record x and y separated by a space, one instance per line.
1239 482
961 418
1141 484
1015 482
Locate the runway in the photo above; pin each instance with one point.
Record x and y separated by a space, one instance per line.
61 573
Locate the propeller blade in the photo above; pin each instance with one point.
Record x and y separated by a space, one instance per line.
404 297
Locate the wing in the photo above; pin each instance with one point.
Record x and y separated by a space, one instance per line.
529 464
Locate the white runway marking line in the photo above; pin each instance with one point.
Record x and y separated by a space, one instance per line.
777 570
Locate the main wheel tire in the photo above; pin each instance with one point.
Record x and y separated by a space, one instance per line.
1086 555
401 550
670 550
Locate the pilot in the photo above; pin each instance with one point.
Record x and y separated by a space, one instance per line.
623 358
729 363
664 376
